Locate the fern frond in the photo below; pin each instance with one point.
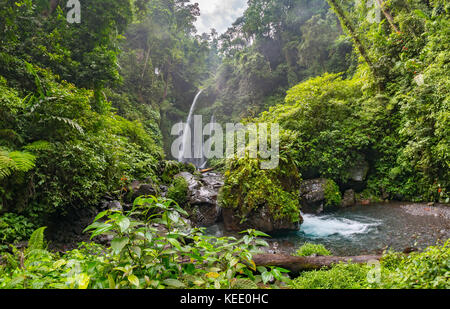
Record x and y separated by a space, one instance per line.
6 165
70 122
23 161
36 241
39 146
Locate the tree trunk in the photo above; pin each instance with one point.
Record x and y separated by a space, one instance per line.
388 16
347 24
297 264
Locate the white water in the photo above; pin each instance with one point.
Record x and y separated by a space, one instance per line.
186 131
324 226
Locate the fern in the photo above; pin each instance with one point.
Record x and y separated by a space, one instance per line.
69 122
16 161
6 164
36 242
39 146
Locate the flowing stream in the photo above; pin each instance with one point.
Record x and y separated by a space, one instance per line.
370 229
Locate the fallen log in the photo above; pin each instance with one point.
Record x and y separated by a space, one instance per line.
297 264
206 170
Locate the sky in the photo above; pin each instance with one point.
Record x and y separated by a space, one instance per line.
218 14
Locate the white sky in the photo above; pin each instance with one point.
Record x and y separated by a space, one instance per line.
218 14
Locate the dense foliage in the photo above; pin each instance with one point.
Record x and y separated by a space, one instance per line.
272 47
391 114
426 270
86 111
142 256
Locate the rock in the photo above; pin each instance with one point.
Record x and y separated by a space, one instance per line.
259 220
114 205
144 189
312 195
205 215
204 210
193 183
430 204
349 198
359 171
365 202
163 190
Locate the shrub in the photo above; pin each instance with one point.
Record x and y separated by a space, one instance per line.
341 276
248 187
333 195
179 191
419 270
14 228
309 249
140 257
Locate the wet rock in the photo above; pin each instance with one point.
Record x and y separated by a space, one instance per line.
163 190
203 208
144 189
259 219
359 171
312 195
113 205
349 198
205 215
193 183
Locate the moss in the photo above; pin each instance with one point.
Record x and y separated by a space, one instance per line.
341 276
179 191
247 187
333 195
309 249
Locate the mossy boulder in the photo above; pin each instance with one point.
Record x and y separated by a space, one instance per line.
260 199
318 194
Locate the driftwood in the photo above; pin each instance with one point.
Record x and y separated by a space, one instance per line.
206 170
297 264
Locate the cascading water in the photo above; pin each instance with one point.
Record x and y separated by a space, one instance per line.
187 137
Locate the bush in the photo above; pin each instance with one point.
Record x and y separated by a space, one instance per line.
309 249
14 228
248 187
140 257
341 276
179 191
333 195
419 270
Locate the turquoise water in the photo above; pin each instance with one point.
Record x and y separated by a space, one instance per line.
364 230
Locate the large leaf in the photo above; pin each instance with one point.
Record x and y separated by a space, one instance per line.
117 244
174 283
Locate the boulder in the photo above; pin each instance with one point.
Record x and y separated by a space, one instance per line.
203 210
358 174
193 183
259 219
349 198
144 189
114 205
359 171
312 195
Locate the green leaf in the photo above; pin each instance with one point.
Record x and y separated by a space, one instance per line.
123 223
174 243
101 215
174 283
266 277
36 241
117 244
133 280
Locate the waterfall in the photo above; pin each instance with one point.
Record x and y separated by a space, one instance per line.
186 137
